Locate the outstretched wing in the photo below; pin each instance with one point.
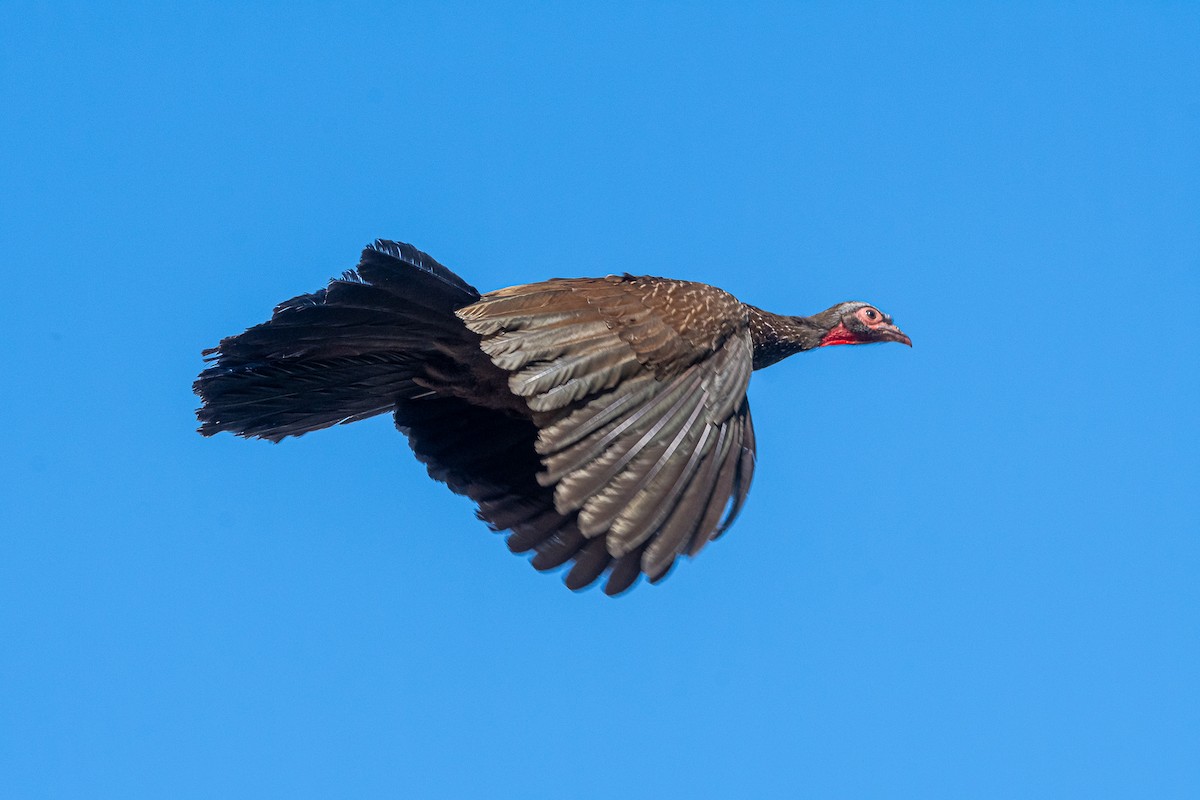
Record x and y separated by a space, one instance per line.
644 430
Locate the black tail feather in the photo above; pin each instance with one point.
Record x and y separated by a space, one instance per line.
344 353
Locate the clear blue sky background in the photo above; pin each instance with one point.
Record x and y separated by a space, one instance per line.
965 570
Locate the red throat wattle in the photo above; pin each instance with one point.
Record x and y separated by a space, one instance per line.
840 334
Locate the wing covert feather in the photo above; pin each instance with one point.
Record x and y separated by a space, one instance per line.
644 430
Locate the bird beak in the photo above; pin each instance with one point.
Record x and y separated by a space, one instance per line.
890 333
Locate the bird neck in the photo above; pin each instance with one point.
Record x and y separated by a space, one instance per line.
776 337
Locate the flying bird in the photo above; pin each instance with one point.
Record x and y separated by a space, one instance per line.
601 421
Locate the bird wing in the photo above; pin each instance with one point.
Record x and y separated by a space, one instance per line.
637 388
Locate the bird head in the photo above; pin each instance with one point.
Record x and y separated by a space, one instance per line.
858 323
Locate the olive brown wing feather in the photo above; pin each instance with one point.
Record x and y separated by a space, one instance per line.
643 433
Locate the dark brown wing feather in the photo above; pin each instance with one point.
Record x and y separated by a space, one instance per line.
644 431
488 456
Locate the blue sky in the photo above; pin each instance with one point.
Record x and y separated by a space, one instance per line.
965 570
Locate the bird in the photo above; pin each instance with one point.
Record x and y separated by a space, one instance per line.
599 421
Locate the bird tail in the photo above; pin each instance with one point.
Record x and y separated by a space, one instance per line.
347 352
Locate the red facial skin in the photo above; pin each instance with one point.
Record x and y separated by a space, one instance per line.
840 335
879 328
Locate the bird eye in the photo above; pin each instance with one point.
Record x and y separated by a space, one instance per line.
870 316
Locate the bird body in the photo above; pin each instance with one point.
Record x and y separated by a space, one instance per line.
602 421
